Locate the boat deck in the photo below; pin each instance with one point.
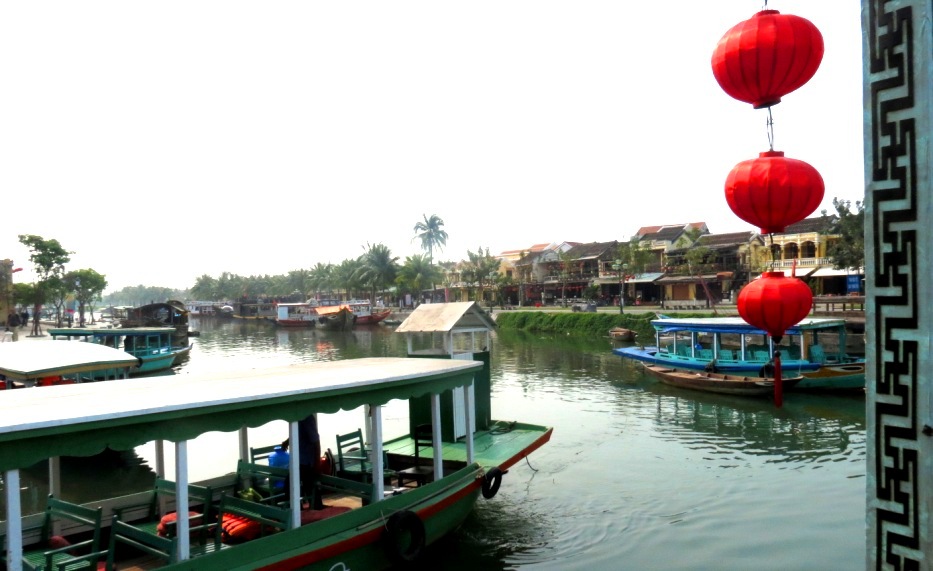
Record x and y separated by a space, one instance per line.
504 444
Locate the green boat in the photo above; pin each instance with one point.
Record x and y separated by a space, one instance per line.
151 345
32 364
425 491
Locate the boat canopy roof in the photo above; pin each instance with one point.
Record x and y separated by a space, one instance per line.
36 360
85 332
84 419
738 325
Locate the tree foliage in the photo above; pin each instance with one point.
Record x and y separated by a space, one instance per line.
87 286
49 259
849 250
432 235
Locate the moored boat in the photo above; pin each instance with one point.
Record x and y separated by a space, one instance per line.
152 346
295 315
382 527
365 314
621 334
815 349
335 317
45 364
720 383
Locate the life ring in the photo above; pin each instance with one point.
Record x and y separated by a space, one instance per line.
404 537
491 482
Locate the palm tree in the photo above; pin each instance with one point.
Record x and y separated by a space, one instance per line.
379 268
431 234
320 277
417 273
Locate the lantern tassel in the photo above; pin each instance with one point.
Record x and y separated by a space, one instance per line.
778 388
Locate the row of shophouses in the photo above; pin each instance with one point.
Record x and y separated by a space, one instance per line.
568 272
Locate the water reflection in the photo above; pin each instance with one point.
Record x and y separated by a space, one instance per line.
638 475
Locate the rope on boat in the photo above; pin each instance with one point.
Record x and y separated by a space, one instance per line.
527 461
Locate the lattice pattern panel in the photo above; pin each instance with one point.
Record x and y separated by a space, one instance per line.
899 232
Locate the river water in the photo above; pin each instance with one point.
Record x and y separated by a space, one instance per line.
636 476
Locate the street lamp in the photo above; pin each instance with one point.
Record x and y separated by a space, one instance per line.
620 267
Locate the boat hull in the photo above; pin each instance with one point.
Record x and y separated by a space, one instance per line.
354 540
154 363
717 382
652 356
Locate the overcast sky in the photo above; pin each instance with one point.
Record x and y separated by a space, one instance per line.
160 141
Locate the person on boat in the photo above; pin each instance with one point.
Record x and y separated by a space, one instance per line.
309 452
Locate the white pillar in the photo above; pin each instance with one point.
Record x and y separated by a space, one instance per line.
160 458
14 523
294 474
243 439
181 500
378 467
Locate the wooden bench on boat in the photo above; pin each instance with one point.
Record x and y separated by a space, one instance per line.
343 486
161 503
269 481
260 519
152 545
55 552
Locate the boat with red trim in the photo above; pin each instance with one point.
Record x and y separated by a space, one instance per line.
425 485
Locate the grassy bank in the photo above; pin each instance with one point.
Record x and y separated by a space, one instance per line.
589 324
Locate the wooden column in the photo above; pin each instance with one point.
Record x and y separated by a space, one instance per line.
898 100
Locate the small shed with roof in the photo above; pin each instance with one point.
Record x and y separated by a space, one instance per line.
458 330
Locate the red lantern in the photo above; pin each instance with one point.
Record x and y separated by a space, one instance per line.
769 55
774 303
773 192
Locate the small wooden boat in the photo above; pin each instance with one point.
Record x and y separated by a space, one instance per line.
295 315
45 364
718 382
736 347
152 346
336 317
621 334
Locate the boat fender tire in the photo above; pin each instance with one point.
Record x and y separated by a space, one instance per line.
404 537
491 482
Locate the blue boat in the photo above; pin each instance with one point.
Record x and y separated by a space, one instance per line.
814 349
151 345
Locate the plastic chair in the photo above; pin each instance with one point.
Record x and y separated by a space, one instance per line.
726 355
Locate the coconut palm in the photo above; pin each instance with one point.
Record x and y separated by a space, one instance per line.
431 234
379 267
417 273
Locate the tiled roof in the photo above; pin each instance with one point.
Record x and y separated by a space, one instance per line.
591 250
816 224
730 239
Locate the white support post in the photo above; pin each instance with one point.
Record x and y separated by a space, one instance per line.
470 415
367 431
294 474
14 523
378 484
243 437
160 458
437 445
181 500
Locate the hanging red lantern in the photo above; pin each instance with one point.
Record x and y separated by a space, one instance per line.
760 60
773 192
774 303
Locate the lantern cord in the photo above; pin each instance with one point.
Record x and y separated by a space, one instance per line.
770 128
771 246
